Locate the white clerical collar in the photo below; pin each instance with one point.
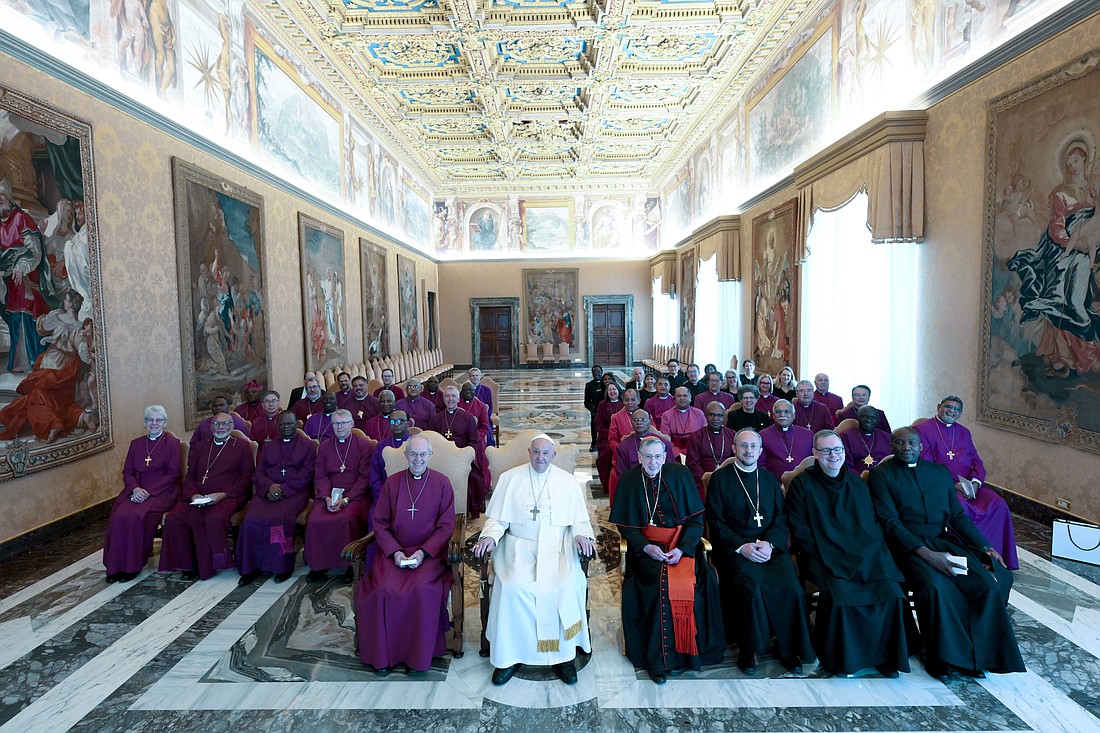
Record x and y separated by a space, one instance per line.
912 465
681 411
415 477
786 428
154 437
221 443
716 393
342 440
743 468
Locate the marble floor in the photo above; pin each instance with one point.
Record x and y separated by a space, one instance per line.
161 654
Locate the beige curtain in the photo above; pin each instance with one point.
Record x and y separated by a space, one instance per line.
885 158
721 236
663 267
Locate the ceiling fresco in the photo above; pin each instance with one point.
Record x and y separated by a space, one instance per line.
533 96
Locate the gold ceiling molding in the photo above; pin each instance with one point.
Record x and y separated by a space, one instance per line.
722 236
885 157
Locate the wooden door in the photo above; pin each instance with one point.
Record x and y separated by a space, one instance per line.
495 324
609 334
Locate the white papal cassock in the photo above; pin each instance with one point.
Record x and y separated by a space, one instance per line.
537 613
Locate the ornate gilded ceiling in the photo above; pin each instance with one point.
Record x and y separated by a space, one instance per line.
530 96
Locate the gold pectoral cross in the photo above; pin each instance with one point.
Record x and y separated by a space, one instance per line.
148 460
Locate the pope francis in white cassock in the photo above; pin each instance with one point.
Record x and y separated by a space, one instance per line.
538 524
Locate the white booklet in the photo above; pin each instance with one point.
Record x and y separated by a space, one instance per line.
958 564
337 495
968 488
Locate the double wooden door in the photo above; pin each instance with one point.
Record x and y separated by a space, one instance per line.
495 332
609 334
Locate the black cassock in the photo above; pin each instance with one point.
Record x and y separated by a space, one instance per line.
647 612
963 620
861 610
759 600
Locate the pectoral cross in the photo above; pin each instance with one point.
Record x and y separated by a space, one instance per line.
412 512
204 476
759 518
283 472
148 460
534 512
868 461
342 467
447 435
360 414
790 459
951 454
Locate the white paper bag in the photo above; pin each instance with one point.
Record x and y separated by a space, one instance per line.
1076 541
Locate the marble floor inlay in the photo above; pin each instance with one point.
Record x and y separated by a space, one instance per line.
159 654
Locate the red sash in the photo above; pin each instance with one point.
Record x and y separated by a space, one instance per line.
681 589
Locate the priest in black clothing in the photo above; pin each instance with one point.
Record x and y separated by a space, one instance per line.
593 396
861 609
671 612
963 620
761 596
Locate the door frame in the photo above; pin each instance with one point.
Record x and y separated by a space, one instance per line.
627 301
476 304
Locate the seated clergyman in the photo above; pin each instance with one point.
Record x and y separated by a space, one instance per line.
963 620
536 527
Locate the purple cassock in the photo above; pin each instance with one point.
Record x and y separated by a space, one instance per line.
705 398
398 393
953 446
833 402
436 398
318 427
153 465
378 427
420 410
303 408
485 394
602 424
202 432
343 398
706 450
265 430
766 403
345 465
196 538
378 463
815 417
480 412
859 447
656 407
460 427
363 410
401 614
680 424
783 449
250 410
266 539
850 413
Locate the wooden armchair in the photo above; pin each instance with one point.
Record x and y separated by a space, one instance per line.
454 463
789 476
845 425
502 458
238 516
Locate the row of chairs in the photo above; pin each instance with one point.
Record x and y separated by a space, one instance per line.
662 353
406 365
547 354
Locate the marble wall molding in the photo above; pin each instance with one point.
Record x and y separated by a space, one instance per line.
476 304
624 300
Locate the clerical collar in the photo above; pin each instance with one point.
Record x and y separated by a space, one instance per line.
415 477
912 465
154 437
716 431
945 424
342 440
681 410
286 440
786 428
743 468
221 443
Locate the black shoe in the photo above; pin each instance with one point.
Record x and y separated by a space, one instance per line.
113 577
936 670
415 673
888 671
659 678
567 672
592 449
247 578
315 576
189 574
792 664
975 674
502 675
283 577
126 577
677 671
383 671
746 662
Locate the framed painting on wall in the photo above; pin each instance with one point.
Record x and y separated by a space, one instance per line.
1039 358
688 274
550 306
220 265
54 396
324 313
775 283
406 304
376 330
547 225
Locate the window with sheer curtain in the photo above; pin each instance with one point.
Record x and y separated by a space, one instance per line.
858 310
666 317
706 312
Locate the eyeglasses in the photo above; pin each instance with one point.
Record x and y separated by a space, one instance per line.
221 423
752 445
830 451
952 408
397 420
155 420
343 423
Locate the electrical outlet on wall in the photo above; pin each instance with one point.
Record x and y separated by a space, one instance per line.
1062 503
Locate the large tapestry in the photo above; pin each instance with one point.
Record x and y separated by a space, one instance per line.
406 304
1040 353
376 332
324 314
775 282
550 306
54 396
220 264
685 292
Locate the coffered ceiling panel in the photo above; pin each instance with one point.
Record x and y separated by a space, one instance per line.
539 95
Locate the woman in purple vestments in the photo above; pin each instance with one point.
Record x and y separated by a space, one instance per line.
610 405
151 486
401 603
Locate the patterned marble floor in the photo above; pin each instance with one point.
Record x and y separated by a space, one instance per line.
160 654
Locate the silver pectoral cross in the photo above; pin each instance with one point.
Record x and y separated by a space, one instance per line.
759 519
283 472
412 512
534 512
951 454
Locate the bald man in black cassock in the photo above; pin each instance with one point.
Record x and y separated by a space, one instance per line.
962 618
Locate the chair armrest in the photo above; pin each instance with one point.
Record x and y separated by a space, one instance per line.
456 546
356 549
707 547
